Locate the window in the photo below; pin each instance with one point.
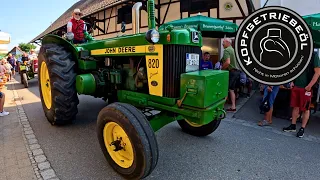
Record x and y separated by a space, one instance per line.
195 6
125 14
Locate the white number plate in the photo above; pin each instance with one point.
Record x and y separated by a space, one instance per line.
192 62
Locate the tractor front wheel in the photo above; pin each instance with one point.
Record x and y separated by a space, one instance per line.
127 140
57 84
198 130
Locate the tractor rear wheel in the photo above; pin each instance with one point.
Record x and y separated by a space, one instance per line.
198 130
57 84
127 140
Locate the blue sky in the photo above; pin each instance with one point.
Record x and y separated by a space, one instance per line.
25 19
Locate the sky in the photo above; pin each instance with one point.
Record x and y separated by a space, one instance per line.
26 19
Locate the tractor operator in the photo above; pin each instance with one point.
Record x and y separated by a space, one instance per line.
76 28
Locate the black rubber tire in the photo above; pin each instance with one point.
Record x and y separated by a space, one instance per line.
62 75
140 133
25 80
199 131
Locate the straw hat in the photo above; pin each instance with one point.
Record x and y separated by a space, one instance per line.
77 11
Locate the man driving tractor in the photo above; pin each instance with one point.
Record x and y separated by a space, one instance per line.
76 28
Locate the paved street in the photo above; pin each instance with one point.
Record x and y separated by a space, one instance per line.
239 149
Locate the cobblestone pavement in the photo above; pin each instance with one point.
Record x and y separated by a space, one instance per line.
21 157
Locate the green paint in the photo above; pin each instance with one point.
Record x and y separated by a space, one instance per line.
115 76
53 39
202 23
85 84
157 99
87 65
197 115
178 36
204 88
151 16
127 54
88 37
162 119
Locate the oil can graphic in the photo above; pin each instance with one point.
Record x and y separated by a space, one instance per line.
274 46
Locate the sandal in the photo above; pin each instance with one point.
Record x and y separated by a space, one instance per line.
264 123
232 110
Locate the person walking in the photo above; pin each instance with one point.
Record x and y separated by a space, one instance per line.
301 95
11 60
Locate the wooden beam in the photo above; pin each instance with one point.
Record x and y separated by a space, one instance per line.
109 20
100 29
104 22
218 10
165 15
240 7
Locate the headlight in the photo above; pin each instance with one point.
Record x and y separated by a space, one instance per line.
153 36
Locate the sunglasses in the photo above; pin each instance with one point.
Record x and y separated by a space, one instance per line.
78 14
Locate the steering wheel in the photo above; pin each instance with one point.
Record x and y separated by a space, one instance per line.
81 26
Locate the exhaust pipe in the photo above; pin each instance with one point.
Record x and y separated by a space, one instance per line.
151 15
136 17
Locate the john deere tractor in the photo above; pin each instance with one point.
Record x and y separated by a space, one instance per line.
148 79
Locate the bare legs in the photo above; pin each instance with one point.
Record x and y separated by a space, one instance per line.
2 102
233 99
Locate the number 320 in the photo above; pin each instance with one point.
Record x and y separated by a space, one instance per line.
153 63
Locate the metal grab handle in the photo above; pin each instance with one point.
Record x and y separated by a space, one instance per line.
224 113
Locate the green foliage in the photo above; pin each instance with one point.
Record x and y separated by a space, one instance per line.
2 55
26 47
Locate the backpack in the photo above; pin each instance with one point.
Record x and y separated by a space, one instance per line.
264 105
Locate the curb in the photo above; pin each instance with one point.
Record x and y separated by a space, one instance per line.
39 161
272 129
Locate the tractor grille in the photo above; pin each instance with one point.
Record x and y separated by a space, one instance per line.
174 64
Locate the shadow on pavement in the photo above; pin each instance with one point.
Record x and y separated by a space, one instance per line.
250 112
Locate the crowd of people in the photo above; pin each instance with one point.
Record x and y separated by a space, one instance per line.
301 89
8 67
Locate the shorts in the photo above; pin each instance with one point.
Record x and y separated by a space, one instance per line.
234 77
273 94
300 98
1 94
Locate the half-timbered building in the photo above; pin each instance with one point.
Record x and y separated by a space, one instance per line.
109 14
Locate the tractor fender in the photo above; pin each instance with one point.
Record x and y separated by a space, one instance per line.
54 39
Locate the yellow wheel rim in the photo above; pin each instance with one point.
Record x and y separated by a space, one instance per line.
193 124
45 85
118 145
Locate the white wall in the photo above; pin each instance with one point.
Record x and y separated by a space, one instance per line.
302 7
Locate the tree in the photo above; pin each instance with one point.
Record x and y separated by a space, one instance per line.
26 47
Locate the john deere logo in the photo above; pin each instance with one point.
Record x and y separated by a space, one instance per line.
228 6
274 45
151 48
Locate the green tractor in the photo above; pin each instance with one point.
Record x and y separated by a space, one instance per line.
148 79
